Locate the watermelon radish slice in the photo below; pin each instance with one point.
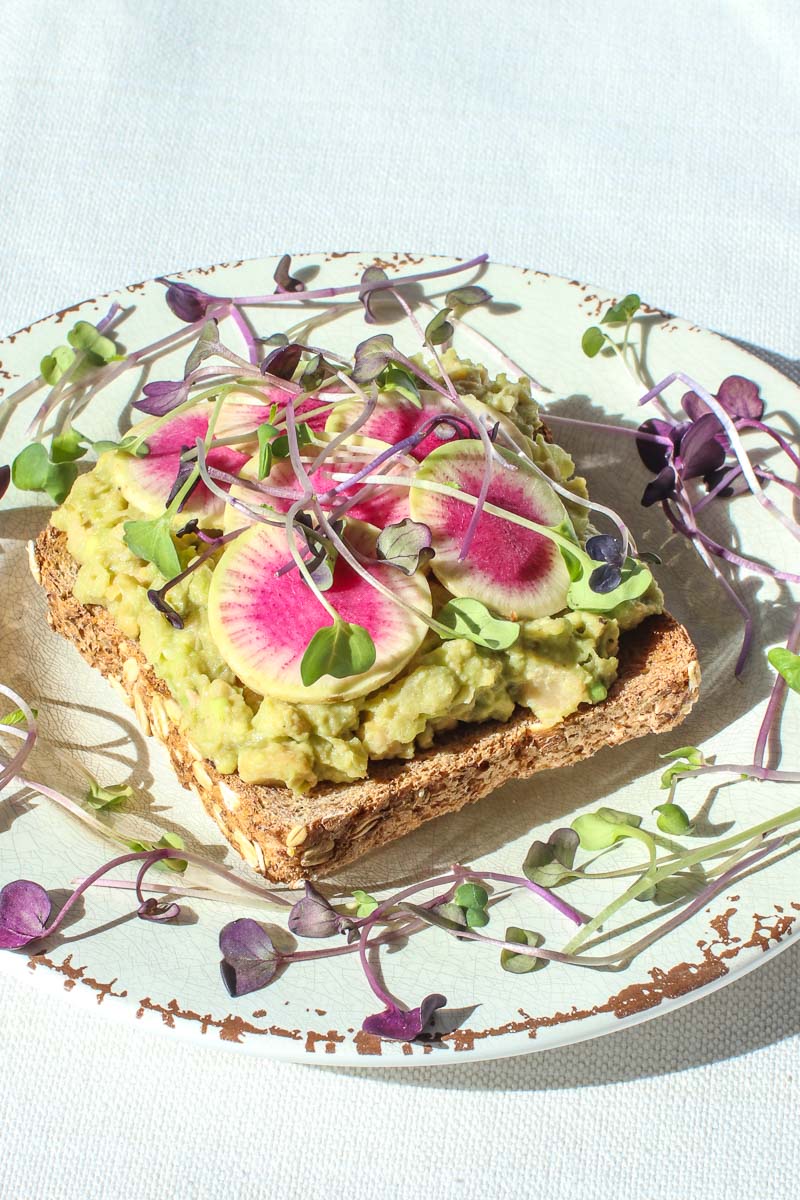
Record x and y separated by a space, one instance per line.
510 569
396 418
146 482
262 622
383 505
242 412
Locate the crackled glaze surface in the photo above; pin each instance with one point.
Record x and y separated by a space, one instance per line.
167 977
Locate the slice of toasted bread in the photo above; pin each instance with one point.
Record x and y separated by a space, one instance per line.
289 837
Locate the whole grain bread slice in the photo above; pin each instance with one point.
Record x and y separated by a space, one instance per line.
289 838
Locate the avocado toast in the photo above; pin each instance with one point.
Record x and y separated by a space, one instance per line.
352 596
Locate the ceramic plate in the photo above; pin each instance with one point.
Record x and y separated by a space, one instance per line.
168 976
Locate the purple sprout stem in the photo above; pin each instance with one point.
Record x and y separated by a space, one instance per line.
543 893
603 428
151 856
688 529
777 696
363 289
241 323
750 423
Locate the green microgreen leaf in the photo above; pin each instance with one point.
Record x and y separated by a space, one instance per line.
787 665
341 650
471 895
96 348
592 341
29 469
521 964
470 619
167 841
636 578
364 903
54 364
672 819
623 311
601 829
204 347
685 758
406 545
280 446
67 446
265 453
550 863
16 717
396 379
108 798
32 471
128 445
439 329
476 918
466 297
152 541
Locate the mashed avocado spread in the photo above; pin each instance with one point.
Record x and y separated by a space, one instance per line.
557 663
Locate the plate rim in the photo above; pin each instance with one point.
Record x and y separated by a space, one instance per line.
495 1045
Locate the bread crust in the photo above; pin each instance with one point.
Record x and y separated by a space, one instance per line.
287 837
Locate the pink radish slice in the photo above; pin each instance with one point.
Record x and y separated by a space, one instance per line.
242 412
262 622
510 569
396 418
146 482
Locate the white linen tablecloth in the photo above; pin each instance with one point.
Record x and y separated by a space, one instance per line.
646 147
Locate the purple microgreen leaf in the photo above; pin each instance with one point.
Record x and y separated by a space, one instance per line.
660 488
249 959
468 618
406 545
162 397
605 578
700 451
467 297
655 455
521 964
188 303
439 329
593 341
24 911
282 362
605 548
5 480
282 277
161 604
185 469
371 357
152 909
373 298
787 664
740 398
396 379
206 345
315 917
623 311
341 650
399 1026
